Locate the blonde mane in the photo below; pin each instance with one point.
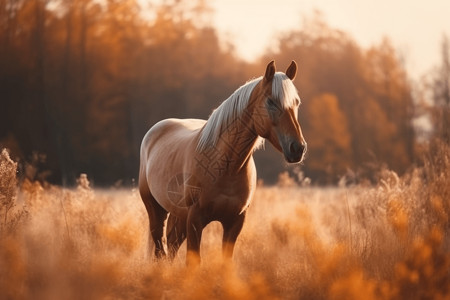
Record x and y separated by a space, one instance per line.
283 90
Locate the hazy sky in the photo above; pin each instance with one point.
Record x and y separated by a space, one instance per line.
415 27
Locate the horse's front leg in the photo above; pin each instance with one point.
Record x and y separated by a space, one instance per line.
194 229
231 230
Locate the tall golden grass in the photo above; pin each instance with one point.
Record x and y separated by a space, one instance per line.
388 241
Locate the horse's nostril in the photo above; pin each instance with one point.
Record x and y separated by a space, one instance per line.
292 148
296 147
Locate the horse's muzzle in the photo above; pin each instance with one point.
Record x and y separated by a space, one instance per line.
295 151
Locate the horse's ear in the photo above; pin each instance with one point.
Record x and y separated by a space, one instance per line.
292 70
270 71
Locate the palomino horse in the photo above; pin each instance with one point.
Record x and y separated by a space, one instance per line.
201 171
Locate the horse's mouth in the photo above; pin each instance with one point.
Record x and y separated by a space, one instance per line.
294 159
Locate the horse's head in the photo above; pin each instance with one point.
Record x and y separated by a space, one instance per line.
276 111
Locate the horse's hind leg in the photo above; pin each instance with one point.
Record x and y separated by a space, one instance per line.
157 215
176 234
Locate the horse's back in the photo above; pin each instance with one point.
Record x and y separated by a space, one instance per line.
179 129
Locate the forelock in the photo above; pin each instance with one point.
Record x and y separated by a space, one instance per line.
284 90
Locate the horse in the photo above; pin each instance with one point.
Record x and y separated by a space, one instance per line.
193 172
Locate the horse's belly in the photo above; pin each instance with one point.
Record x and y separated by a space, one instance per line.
167 182
169 192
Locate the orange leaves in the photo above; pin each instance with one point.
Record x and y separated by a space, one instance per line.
329 138
374 102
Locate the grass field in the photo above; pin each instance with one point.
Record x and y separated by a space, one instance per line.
385 241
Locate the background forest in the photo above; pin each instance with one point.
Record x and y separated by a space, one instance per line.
81 81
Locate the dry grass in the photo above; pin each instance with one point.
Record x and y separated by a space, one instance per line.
389 241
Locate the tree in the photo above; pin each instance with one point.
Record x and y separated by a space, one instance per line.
329 140
440 89
82 80
388 83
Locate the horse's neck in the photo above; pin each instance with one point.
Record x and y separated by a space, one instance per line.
232 150
237 141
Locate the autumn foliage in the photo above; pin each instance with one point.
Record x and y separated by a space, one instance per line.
82 81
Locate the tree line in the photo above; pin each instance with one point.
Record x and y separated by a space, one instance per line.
81 81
